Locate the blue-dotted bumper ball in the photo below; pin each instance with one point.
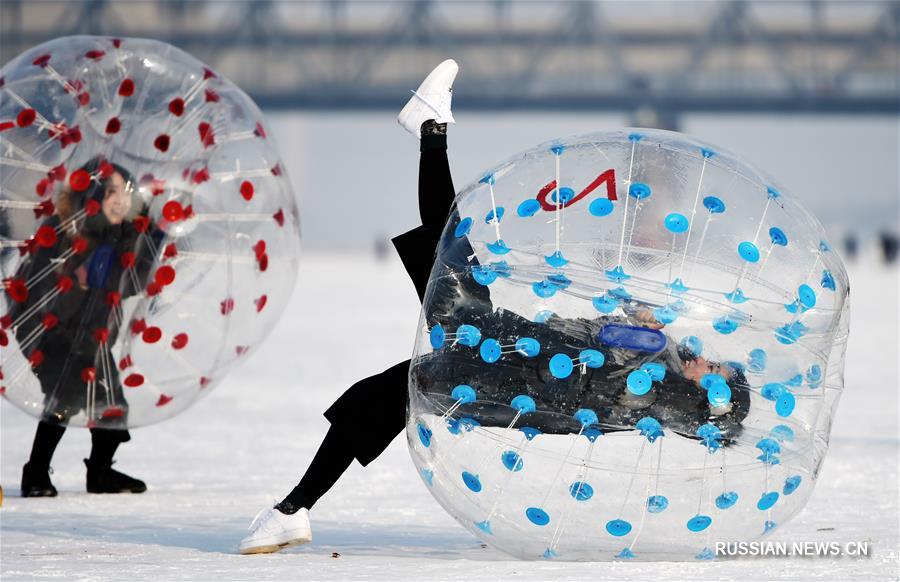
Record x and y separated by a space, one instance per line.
148 233
631 348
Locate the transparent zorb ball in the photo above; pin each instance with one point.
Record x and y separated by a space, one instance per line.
631 347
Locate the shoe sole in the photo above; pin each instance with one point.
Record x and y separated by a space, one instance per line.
271 549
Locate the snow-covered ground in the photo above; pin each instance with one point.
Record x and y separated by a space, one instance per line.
212 468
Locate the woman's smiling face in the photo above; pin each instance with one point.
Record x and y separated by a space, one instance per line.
116 199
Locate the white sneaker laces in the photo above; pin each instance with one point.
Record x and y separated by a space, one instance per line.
426 102
260 518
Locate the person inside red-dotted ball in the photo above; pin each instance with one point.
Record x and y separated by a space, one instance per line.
65 312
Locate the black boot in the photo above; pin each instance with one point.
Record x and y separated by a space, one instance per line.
36 472
36 482
102 478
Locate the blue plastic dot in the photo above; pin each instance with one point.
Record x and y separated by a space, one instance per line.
719 394
424 434
676 223
468 335
824 246
544 289
528 347
427 476
592 434
725 325
639 382
484 274
528 208
601 207
592 358
561 366
772 192
656 371
777 236
498 248
736 296
549 554
487 179
489 217
530 432
768 526
707 153
605 303
791 484
705 555
586 416
757 360
565 194
471 481
726 500
625 554
773 390
556 260
523 403
692 344
785 404
617 274
707 381
537 516
463 228
635 137
665 315
560 280
714 204
657 503
767 500
650 428
795 380
484 526
464 394
512 461
677 286
490 350
618 527
782 433
436 337
748 251
639 190
558 149
711 436
828 281
543 315
699 523
814 376
581 491
807 296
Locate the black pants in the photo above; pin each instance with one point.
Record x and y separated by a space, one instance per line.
104 443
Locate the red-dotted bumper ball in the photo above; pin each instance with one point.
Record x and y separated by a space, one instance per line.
631 348
148 234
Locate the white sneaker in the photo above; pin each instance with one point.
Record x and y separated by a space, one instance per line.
431 100
272 530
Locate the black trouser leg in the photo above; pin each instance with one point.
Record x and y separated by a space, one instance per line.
436 192
46 438
332 459
104 442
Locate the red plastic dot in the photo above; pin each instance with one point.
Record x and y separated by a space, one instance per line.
41 61
247 190
241 350
176 106
179 341
207 136
127 259
208 74
25 117
226 306
165 275
17 290
43 187
138 326
204 381
126 362
80 180
173 211
49 321
79 245
64 284
211 96
126 88
141 223
117 42
101 335
133 380
261 302
57 173
170 251
151 335
46 236
88 375
4 341
84 98
113 125
106 169
92 207
113 298
153 289
44 208
263 262
201 175
36 358
163 400
6 321
4 125
113 412
259 131
161 142
95 54
276 170
259 249
279 217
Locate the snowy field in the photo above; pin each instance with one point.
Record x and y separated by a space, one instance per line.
211 469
